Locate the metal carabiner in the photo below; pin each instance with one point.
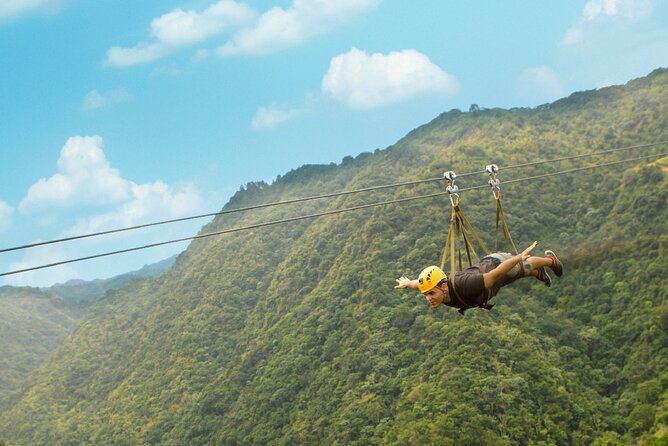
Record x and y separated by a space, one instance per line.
451 188
494 182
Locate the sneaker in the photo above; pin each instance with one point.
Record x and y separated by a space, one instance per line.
557 267
544 277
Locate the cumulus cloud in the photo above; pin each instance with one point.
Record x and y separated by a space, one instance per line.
269 32
280 28
362 80
84 177
540 84
598 11
267 118
95 100
180 28
88 195
147 202
6 212
14 9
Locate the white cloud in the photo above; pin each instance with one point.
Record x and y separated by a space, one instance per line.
126 57
603 11
84 177
148 202
95 100
362 80
625 9
180 28
540 84
13 9
269 117
6 212
63 203
281 28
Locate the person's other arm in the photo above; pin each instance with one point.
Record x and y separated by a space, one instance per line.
405 282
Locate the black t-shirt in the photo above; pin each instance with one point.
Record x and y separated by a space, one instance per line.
469 288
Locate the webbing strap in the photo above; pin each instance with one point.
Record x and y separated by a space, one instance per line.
460 228
500 218
472 232
449 243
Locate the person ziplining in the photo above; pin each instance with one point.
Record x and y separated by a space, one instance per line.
474 286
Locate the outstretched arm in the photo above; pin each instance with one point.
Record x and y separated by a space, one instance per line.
492 276
405 282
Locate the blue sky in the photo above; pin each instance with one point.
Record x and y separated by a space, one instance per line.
117 113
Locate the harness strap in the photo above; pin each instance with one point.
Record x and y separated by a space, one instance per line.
500 218
460 226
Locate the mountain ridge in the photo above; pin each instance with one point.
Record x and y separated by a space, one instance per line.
295 335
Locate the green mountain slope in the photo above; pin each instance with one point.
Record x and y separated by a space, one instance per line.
32 325
34 322
293 334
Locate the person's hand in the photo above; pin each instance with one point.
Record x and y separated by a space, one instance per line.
403 282
527 252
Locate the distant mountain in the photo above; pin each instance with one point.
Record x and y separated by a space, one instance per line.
294 334
82 290
32 325
34 322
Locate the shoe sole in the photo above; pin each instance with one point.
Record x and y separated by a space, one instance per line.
545 278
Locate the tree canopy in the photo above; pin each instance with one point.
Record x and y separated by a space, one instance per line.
294 334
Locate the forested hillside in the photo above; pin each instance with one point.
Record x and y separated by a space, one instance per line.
34 322
294 334
32 325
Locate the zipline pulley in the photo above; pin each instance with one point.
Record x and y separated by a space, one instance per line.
494 182
451 187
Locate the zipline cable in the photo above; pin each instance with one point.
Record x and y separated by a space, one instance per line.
213 214
314 197
572 157
322 214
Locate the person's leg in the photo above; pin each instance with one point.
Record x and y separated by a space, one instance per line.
522 269
538 265
539 262
533 266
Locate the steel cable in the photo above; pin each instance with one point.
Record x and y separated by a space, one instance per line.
322 214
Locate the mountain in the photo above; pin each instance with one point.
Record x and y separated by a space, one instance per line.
88 290
32 325
294 334
34 322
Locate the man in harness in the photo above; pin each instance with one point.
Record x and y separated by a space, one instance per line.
475 286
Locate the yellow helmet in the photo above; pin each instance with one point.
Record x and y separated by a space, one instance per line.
430 277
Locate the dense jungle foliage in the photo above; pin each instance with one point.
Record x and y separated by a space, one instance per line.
32 325
294 334
35 321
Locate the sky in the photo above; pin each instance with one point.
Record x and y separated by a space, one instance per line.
115 113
